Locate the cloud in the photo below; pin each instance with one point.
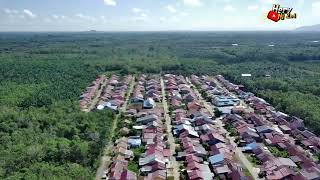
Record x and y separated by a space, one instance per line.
175 19
139 11
268 1
104 19
110 2
192 3
265 9
163 19
300 2
12 13
140 17
136 10
229 8
143 15
253 7
47 20
316 8
58 17
171 9
183 14
86 18
29 13
140 14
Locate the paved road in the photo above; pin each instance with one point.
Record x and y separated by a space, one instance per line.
106 159
243 159
171 141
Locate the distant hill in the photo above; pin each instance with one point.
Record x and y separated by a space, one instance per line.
309 28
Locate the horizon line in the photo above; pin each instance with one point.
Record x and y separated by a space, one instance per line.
110 31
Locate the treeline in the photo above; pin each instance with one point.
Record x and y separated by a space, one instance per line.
43 134
292 87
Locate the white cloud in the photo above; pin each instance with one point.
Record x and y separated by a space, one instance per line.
163 19
192 3
29 13
143 15
175 19
7 11
55 16
229 8
316 8
300 2
86 18
266 9
47 20
253 7
58 17
15 11
104 19
183 14
110 2
139 18
12 13
136 10
268 1
171 9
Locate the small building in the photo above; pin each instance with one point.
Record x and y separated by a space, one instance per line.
146 119
134 141
225 101
212 138
157 175
216 160
189 97
264 129
250 147
225 110
222 170
137 99
246 75
285 129
128 175
149 104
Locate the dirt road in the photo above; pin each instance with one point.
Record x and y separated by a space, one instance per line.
96 97
106 159
171 141
243 159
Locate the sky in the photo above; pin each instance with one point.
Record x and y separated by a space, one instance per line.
152 15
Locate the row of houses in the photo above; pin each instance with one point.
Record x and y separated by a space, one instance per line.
204 149
147 92
146 139
265 130
295 128
120 162
213 93
208 86
113 95
90 92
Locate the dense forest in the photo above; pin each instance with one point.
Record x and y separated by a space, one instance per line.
43 132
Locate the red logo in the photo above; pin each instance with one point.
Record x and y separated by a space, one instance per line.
273 16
